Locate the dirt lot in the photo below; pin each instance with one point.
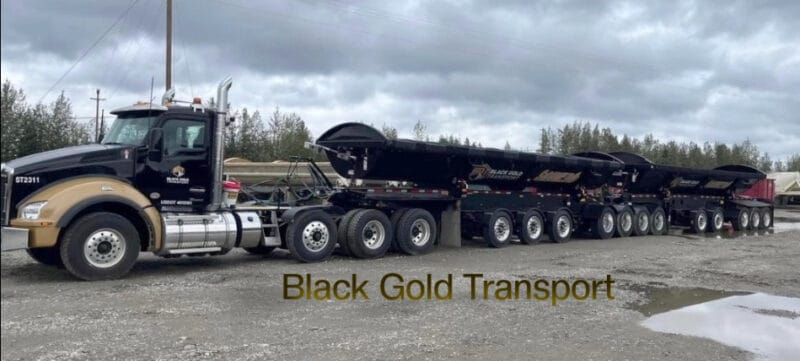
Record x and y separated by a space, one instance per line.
231 307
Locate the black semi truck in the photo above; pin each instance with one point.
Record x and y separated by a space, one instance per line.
155 184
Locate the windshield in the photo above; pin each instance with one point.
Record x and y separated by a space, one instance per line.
129 130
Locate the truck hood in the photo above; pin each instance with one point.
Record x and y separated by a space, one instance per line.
70 157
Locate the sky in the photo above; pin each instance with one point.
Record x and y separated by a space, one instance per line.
493 71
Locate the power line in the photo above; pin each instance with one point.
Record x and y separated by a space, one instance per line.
89 49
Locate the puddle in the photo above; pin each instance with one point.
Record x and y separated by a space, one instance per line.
766 325
727 232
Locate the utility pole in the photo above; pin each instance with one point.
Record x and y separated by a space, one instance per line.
102 125
97 100
169 45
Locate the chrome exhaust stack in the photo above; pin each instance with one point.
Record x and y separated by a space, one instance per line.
219 142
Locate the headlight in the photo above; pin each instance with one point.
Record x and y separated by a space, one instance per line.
31 211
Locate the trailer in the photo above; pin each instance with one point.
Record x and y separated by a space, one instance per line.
156 183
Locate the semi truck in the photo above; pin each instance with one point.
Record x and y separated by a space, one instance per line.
155 184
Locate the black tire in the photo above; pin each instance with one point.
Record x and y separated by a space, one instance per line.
415 232
641 221
625 222
605 225
259 250
560 226
698 221
531 228
369 234
394 219
766 218
100 245
341 234
658 221
50 256
742 220
716 218
311 236
498 230
755 219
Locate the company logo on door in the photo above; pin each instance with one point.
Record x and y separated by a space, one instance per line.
484 171
177 176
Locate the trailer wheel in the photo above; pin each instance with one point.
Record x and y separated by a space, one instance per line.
531 229
742 220
766 218
560 227
625 222
100 245
395 218
716 219
260 250
49 256
415 232
311 236
605 225
699 221
497 232
641 221
341 234
755 218
658 222
369 234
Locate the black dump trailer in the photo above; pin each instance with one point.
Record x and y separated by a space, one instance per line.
702 199
499 193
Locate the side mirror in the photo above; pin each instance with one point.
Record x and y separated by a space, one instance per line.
155 142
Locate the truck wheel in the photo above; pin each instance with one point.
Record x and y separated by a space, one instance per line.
100 245
560 227
755 219
415 232
311 236
260 250
531 229
497 232
641 221
625 222
742 220
369 234
395 218
342 231
49 256
699 221
766 218
716 219
605 225
658 222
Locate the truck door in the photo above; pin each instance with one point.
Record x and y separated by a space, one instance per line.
181 180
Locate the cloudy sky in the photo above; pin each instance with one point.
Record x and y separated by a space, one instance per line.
490 70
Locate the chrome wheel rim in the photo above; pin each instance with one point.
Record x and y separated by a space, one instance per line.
315 236
534 227
502 229
625 221
767 219
658 222
702 221
104 248
373 234
644 222
564 225
744 219
420 232
755 219
718 220
608 222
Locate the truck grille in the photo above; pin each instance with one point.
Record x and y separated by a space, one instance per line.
5 188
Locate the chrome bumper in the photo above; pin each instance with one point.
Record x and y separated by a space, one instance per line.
14 238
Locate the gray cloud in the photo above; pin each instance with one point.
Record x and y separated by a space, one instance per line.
687 70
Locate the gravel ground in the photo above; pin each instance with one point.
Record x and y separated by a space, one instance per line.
231 307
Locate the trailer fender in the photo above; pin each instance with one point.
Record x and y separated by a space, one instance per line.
488 214
68 199
550 215
592 211
292 213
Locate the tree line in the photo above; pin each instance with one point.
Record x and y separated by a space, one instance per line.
28 129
